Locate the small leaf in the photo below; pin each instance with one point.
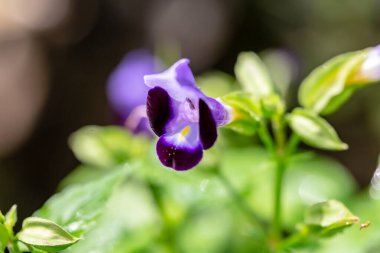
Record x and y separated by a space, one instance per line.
253 75
4 237
78 207
11 219
328 81
332 216
2 218
314 130
45 235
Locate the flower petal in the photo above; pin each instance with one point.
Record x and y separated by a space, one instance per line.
159 110
371 66
173 80
181 151
207 125
184 75
127 77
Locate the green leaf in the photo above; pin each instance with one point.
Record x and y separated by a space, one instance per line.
45 235
282 68
330 216
328 81
105 147
253 75
78 207
4 237
2 218
215 83
314 130
11 219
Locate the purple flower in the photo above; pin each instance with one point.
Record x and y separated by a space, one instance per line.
182 116
127 93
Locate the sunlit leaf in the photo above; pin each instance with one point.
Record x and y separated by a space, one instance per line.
45 235
129 223
4 237
77 207
314 130
253 75
105 147
328 81
11 218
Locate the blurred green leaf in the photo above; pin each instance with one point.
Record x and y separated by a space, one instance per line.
105 147
251 72
354 240
77 207
4 237
314 130
11 219
129 223
309 179
45 235
330 217
81 175
282 67
205 233
328 81
215 83
2 218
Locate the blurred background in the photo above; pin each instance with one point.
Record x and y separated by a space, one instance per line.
56 57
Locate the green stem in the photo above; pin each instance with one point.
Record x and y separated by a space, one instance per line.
277 221
293 142
13 248
240 202
168 233
280 157
266 138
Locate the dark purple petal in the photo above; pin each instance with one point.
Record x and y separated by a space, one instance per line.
158 110
207 125
178 152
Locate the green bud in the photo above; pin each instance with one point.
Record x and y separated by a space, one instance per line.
314 130
45 235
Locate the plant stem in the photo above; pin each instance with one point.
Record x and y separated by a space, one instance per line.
277 222
266 138
168 234
240 202
293 142
280 157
